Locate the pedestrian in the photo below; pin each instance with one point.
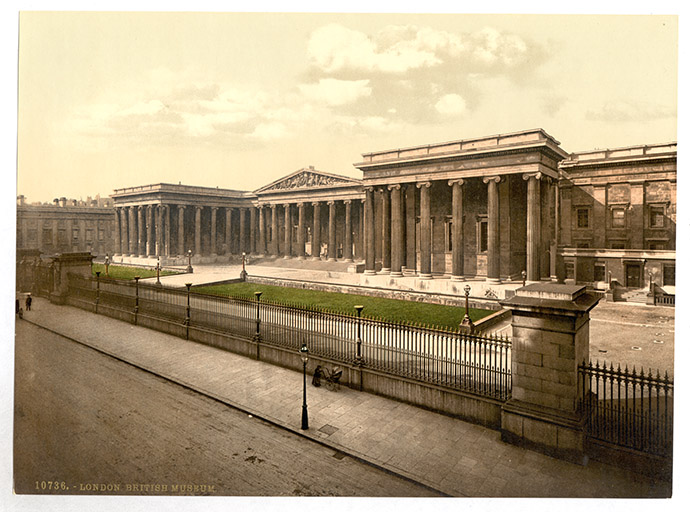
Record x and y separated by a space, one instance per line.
28 302
16 306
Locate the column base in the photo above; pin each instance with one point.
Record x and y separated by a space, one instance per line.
370 272
425 276
457 278
349 260
286 257
301 257
331 259
385 270
396 274
493 280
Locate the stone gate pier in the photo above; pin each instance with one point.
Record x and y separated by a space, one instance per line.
550 338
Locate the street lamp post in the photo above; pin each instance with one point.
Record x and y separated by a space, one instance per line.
243 274
524 277
257 336
467 321
187 317
158 272
107 264
304 354
98 289
136 298
359 309
190 270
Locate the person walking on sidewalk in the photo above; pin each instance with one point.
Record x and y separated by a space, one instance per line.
27 303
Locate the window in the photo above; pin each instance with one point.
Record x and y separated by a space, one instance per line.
75 234
669 275
617 245
617 217
62 236
32 235
656 216
657 246
599 272
483 235
47 236
583 218
449 236
89 235
582 245
101 235
569 270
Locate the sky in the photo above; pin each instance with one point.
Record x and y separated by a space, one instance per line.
237 100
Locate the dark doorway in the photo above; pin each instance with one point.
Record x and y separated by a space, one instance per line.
633 272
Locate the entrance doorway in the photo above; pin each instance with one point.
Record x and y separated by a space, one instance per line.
633 275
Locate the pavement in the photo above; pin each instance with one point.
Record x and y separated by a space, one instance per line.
448 455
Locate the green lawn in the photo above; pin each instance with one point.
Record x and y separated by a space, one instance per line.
123 272
374 307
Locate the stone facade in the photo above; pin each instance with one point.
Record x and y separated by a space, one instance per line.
490 207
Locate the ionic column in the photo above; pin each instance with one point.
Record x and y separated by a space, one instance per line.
360 249
125 231
332 249
288 231
166 230
458 252
424 230
262 231
386 231
197 231
370 254
411 228
214 229
301 226
118 232
141 243
274 230
180 230
493 257
243 231
533 225
347 247
395 231
132 232
316 235
252 230
149 231
228 231
159 230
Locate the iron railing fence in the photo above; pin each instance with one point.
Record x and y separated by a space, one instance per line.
664 300
475 364
628 408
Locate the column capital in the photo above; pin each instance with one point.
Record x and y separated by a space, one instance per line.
459 181
273 206
394 186
535 175
316 203
181 206
425 184
198 207
369 188
330 203
489 179
287 205
213 208
347 201
300 204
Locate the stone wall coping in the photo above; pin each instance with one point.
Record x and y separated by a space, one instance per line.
548 298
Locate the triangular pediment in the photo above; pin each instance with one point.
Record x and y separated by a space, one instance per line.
306 179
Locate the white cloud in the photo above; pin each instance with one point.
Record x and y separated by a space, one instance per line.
270 131
336 92
451 104
626 110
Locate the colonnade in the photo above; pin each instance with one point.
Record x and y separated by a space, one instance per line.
397 213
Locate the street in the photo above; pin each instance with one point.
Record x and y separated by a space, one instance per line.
86 423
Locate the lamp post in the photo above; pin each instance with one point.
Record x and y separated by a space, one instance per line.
190 270
243 274
136 298
98 289
466 321
257 336
187 317
107 264
358 359
158 272
304 354
524 277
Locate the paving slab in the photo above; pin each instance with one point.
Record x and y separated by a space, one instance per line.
454 457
